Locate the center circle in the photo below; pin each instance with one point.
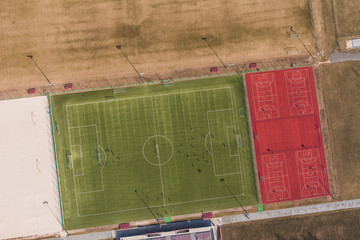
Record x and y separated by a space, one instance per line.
158 150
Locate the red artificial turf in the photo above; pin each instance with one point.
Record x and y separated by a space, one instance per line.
287 134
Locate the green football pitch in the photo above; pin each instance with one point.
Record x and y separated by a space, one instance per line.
152 151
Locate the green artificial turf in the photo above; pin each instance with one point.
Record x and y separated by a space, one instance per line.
153 150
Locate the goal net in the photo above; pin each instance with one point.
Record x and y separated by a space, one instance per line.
119 90
167 83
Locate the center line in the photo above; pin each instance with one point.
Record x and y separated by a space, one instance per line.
162 185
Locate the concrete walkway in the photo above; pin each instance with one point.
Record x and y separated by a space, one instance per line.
87 236
324 207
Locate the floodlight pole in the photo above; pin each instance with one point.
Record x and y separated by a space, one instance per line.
119 47
297 35
327 190
148 208
245 212
47 204
31 58
205 39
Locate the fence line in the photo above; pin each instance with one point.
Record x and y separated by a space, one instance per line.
176 75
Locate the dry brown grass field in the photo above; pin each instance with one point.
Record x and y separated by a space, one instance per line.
328 225
348 17
74 41
341 87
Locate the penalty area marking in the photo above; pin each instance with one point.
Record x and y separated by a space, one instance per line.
211 145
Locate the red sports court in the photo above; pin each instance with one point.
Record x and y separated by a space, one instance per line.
287 134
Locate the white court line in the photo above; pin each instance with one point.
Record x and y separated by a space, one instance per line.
284 176
162 185
291 92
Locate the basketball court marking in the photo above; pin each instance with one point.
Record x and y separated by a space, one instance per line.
298 106
178 203
299 94
308 173
276 178
264 94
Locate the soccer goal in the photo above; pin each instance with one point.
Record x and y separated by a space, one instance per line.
69 160
119 90
167 83
238 140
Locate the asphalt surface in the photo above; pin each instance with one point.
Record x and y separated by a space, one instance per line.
344 57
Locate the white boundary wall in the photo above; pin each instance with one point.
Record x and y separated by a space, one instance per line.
27 170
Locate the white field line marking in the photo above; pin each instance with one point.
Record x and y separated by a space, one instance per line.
227 134
226 174
211 146
82 166
83 126
53 140
69 133
102 180
68 127
162 185
155 206
98 144
207 135
101 175
165 94
179 203
90 192
220 110
238 149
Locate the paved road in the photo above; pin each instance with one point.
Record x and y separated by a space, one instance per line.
344 57
324 207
